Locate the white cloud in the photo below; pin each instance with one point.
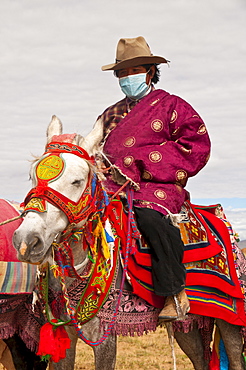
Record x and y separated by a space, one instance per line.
237 218
52 51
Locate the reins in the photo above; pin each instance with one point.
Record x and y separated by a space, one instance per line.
13 219
120 189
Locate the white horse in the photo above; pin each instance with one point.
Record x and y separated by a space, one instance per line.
38 231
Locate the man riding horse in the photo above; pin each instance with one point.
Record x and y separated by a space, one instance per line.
156 141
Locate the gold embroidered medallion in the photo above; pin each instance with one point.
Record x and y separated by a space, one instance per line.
129 142
157 125
160 194
147 175
202 130
155 156
174 116
128 161
181 175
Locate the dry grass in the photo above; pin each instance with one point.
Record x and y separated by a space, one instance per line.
148 352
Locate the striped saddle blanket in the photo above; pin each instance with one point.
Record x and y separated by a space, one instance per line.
15 276
216 267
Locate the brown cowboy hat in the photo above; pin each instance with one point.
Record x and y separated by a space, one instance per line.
133 52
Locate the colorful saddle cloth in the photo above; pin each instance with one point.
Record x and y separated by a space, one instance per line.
17 280
15 276
216 269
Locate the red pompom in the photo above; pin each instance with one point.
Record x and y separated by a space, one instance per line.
54 341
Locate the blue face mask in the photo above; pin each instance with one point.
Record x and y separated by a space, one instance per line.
134 86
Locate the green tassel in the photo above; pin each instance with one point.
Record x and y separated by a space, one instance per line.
45 358
90 258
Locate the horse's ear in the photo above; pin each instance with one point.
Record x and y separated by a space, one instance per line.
54 128
92 141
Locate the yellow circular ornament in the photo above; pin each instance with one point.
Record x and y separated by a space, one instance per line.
49 168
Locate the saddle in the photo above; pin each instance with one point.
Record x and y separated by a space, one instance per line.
215 266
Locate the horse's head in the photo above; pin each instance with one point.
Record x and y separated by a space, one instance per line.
61 192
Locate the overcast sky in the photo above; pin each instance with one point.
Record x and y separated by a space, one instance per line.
50 63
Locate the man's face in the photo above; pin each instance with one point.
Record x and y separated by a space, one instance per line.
136 70
131 71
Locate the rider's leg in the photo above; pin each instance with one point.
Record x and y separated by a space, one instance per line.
168 270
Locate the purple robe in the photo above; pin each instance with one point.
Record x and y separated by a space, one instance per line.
157 146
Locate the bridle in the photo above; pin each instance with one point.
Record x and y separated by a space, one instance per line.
92 202
48 169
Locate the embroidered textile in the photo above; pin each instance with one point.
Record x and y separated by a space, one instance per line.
17 280
170 146
99 281
135 315
216 268
212 284
17 317
17 277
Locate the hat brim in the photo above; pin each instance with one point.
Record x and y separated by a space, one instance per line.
133 62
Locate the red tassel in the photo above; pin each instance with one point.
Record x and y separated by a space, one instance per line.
214 363
54 341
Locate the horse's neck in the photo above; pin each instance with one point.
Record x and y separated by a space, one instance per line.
79 255
80 260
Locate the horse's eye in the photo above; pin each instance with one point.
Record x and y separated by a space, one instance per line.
76 182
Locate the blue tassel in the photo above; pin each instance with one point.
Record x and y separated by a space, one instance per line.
224 362
106 198
108 237
93 184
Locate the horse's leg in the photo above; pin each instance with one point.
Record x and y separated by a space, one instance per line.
69 361
24 358
5 356
233 342
192 345
104 353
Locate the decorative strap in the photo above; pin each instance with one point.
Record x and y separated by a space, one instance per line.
59 147
75 211
128 247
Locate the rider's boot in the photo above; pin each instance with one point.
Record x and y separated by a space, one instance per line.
175 307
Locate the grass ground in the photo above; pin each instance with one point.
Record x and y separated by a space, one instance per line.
149 352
